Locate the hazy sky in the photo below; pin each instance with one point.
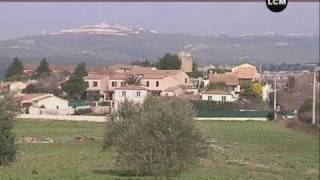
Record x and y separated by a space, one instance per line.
22 19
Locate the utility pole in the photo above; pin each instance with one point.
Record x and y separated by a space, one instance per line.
275 95
314 94
260 74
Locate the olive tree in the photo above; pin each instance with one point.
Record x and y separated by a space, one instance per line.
8 110
158 138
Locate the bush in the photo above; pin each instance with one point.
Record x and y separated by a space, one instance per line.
159 138
8 110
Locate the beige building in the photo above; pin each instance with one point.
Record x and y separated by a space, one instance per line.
186 61
152 79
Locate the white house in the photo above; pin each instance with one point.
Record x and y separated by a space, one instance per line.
13 87
136 94
45 104
218 96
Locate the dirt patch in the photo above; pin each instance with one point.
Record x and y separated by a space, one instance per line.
82 139
35 140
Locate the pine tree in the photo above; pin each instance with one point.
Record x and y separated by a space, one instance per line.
15 69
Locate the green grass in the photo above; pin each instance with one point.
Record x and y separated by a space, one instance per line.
247 150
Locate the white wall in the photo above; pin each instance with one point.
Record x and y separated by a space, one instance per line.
218 98
131 95
53 102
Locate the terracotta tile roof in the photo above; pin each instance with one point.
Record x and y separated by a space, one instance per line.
230 79
31 97
93 77
247 73
217 92
131 87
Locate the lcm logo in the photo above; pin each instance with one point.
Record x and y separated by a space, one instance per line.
276 5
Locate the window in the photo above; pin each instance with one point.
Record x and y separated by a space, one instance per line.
138 93
224 98
123 83
185 80
123 93
209 98
147 83
157 83
95 84
114 84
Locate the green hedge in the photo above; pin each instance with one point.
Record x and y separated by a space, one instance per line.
235 114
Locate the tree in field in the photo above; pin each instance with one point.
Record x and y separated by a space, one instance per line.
81 70
169 61
15 69
8 111
158 138
43 69
133 79
75 87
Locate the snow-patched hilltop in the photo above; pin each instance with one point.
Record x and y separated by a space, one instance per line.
103 29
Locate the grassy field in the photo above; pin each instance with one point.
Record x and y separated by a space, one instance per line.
245 150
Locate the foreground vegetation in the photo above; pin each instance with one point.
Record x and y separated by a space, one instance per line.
243 150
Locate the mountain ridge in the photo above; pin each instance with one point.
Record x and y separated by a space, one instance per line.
140 44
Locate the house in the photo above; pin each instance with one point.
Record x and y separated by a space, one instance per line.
44 104
218 96
97 85
246 72
12 87
230 79
133 93
152 79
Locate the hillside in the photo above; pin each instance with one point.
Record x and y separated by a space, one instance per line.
102 44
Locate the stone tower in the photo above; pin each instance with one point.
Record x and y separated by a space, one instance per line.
186 61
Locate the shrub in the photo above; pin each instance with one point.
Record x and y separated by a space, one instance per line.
158 138
8 110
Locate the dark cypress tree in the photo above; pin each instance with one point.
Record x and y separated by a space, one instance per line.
15 69
43 69
8 110
80 70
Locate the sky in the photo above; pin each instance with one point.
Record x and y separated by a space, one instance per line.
24 19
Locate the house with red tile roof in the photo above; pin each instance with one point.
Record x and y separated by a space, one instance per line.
246 72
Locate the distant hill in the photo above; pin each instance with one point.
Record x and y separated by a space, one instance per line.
102 44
